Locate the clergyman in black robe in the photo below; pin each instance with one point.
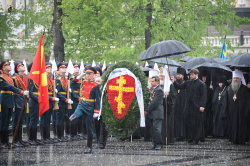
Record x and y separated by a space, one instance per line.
179 108
196 102
236 109
219 125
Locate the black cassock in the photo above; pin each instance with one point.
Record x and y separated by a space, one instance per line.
196 94
179 114
237 113
219 125
171 102
208 114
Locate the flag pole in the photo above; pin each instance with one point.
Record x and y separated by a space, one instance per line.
20 116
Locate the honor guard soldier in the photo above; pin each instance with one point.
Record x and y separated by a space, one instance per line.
101 132
46 116
21 82
33 112
62 88
89 103
7 102
75 87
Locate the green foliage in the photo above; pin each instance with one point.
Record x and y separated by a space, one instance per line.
128 125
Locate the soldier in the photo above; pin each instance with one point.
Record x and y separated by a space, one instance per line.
21 82
33 112
75 87
7 102
46 116
62 88
89 103
27 118
101 131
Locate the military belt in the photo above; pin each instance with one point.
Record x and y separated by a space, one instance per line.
6 91
76 91
50 93
64 93
89 100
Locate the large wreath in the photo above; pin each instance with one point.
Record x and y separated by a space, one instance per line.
125 125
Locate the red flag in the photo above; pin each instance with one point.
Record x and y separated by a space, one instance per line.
38 75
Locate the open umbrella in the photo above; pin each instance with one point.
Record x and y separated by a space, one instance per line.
197 61
213 65
164 49
186 58
165 61
173 71
240 61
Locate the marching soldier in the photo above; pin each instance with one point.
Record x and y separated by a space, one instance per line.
62 88
75 87
21 82
89 103
46 116
7 102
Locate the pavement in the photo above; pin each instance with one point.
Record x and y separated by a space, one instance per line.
127 153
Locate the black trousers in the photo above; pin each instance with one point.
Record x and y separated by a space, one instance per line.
101 132
155 131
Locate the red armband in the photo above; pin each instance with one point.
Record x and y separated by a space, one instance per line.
66 101
21 93
97 111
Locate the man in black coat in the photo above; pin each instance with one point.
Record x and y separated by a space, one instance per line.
155 112
195 106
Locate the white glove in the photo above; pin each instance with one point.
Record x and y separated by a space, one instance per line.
56 99
56 90
25 93
70 90
70 101
80 76
95 115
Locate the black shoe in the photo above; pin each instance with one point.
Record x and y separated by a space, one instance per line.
89 144
24 143
194 143
101 146
190 141
158 147
32 142
152 148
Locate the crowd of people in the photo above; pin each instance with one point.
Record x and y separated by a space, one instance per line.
186 107
197 108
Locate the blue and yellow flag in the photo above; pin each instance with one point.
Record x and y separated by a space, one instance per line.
223 53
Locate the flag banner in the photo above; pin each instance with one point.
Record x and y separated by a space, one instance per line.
223 53
38 75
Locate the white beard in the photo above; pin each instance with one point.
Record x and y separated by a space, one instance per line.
236 85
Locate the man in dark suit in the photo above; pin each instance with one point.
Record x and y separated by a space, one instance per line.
195 105
155 112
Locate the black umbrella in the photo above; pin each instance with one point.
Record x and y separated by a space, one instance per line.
197 61
186 58
147 69
164 49
165 61
212 65
240 61
173 71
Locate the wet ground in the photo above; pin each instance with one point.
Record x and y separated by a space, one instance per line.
119 153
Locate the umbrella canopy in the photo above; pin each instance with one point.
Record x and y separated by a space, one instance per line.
213 65
165 61
173 71
147 69
164 49
240 61
186 58
197 61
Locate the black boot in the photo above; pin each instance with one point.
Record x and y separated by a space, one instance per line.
55 138
79 130
17 142
43 139
60 133
7 140
35 137
89 143
84 130
20 135
63 137
32 142
47 135
70 120
67 132
4 136
73 133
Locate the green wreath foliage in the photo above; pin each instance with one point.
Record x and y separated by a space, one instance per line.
131 122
